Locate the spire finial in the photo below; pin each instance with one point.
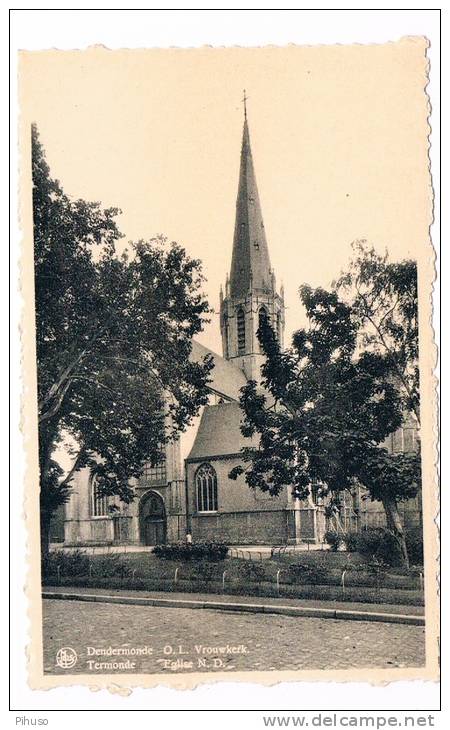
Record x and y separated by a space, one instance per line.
245 98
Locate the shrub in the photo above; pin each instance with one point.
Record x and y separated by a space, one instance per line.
213 551
414 545
307 574
333 539
167 552
78 563
380 543
252 571
63 563
351 541
378 569
205 571
111 565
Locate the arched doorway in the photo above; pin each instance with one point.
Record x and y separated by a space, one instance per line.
152 519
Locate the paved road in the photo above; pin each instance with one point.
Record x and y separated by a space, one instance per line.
159 640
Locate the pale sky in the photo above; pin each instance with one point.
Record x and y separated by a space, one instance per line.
338 136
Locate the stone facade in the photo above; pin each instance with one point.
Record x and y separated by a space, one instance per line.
250 308
240 515
156 515
358 512
243 516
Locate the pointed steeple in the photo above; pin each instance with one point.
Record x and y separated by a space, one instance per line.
250 263
250 292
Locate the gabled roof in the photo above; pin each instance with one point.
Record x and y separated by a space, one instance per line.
250 262
226 378
219 432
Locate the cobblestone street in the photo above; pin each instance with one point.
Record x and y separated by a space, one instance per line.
172 640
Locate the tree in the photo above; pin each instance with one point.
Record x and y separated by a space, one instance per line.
383 300
327 404
392 478
113 337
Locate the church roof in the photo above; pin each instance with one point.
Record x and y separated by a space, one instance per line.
226 378
219 432
250 263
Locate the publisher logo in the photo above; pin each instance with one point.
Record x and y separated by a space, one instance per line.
66 657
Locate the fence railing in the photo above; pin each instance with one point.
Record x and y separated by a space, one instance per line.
347 584
276 551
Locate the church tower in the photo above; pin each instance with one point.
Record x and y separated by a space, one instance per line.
250 290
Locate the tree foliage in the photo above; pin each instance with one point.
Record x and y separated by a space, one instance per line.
113 336
327 404
383 300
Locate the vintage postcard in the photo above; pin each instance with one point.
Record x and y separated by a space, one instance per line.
229 404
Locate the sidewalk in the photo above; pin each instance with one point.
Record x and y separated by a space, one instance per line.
246 552
248 604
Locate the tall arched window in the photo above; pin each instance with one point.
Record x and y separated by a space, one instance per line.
240 318
98 502
262 317
206 488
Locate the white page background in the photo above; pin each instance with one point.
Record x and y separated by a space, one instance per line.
37 29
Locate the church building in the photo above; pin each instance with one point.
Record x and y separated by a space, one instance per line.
197 496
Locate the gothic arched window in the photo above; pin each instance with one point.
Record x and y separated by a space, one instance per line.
240 319
206 488
98 502
262 316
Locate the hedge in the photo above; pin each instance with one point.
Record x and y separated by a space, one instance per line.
213 551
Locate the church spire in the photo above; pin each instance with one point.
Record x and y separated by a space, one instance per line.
250 292
250 263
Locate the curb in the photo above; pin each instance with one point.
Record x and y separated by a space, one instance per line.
396 618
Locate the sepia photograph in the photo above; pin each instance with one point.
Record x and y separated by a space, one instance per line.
230 404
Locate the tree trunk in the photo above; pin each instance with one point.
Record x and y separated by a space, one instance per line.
45 513
45 533
394 524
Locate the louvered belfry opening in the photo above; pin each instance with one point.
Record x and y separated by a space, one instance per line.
240 319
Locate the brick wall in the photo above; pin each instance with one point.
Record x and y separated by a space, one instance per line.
242 528
244 516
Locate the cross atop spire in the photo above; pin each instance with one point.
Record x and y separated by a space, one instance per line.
245 97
